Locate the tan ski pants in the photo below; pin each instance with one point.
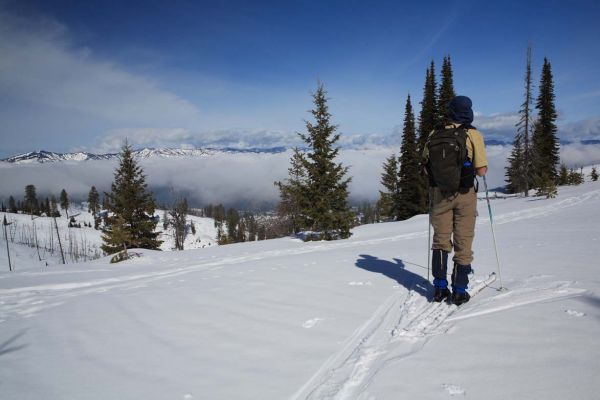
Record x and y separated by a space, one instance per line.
453 220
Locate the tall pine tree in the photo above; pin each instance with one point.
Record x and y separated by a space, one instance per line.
519 171
545 142
131 207
446 90
327 210
410 191
428 119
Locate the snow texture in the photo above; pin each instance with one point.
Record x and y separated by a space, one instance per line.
350 319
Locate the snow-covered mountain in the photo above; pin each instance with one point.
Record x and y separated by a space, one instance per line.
351 319
43 156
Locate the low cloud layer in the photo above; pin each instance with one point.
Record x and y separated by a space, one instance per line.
241 180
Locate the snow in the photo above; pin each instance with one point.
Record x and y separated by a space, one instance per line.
82 244
350 319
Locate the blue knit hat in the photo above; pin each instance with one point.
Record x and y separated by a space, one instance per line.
459 110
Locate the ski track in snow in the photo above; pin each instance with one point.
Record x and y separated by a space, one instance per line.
400 327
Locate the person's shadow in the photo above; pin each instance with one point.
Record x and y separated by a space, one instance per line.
396 271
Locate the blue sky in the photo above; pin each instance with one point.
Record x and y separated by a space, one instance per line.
85 75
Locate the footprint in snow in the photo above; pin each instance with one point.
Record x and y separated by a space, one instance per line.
353 283
574 313
311 323
454 390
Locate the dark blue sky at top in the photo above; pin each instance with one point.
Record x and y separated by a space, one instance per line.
249 65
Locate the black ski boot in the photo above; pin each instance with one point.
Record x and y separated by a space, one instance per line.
439 267
460 280
459 298
441 294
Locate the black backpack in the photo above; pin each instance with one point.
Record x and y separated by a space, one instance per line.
448 166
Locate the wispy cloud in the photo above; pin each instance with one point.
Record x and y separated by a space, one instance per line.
53 80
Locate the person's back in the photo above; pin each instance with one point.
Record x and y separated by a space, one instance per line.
454 155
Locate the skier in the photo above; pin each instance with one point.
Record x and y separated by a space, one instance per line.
453 155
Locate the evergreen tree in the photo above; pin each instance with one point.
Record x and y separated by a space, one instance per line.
520 169
293 194
47 207
64 202
427 123
178 221
514 167
594 174
389 199
429 108
563 176
131 208
54 207
31 201
93 201
575 178
233 218
446 90
252 227
120 235
12 205
327 211
546 185
411 193
545 142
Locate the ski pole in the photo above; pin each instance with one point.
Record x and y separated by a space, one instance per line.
429 236
487 197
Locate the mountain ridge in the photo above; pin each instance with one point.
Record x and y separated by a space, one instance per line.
44 156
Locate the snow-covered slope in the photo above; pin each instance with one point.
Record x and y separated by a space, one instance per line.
351 319
34 242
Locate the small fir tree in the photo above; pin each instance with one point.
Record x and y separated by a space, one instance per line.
563 176
93 201
12 205
594 174
131 208
178 215
31 201
327 211
54 207
64 202
546 186
389 198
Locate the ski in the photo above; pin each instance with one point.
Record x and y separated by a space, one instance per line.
433 316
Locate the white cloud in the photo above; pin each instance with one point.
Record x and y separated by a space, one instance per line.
40 66
234 178
587 129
